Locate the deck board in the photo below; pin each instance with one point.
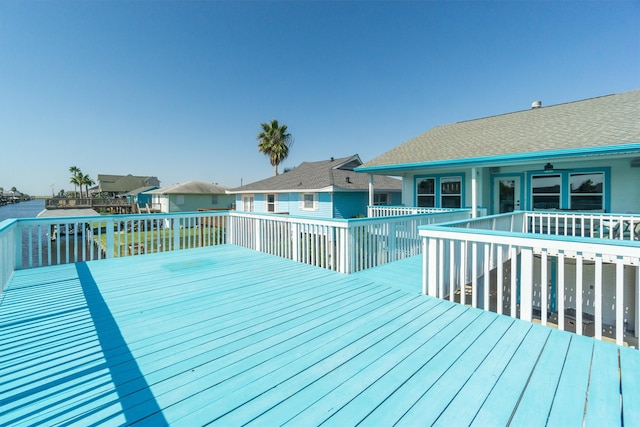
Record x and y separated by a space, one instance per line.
229 336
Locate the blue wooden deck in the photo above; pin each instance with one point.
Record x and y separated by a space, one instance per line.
229 336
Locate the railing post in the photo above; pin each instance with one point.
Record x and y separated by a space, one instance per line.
17 242
295 244
258 236
110 231
230 234
432 269
526 284
176 233
392 243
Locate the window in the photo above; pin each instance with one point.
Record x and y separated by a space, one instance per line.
451 192
545 191
247 203
381 199
575 190
586 191
180 199
308 202
439 192
426 192
214 199
271 202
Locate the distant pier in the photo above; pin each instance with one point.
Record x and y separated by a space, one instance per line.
111 206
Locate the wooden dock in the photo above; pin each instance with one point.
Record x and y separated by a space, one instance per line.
228 336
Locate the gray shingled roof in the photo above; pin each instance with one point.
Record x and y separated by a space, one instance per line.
191 187
333 174
605 121
123 183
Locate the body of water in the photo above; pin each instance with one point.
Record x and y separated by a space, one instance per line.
29 209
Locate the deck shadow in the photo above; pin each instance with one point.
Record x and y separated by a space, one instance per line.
123 368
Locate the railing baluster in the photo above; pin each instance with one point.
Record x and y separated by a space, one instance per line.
597 301
579 277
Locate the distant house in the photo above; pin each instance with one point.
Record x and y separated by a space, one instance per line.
582 155
327 189
191 196
120 185
141 197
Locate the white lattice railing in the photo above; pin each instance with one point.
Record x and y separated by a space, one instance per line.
511 265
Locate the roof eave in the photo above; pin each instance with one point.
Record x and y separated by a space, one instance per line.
506 158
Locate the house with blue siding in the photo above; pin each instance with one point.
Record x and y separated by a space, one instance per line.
322 189
190 197
578 156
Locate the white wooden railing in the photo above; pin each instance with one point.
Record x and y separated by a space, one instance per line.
379 211
36 242
341 245
346 246
512 265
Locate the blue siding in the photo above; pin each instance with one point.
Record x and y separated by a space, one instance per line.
350 205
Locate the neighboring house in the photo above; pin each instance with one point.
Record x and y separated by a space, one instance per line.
141 197
326 189
582 155
191 196
120 185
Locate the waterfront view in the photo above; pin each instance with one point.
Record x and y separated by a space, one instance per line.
28 209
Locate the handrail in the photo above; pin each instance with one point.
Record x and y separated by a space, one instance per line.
582 274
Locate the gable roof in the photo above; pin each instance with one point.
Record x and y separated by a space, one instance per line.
325 175
597 125
125 183
191 187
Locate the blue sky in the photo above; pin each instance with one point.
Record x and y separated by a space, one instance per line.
178 89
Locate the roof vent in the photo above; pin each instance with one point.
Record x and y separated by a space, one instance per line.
536 104
348 180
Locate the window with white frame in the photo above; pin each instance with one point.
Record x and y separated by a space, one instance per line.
247 202
381 199
309 201
271 200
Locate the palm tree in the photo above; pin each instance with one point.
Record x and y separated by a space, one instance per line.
86 181
76 180
75 172
275 142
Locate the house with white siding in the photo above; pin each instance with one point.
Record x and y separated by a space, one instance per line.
322 189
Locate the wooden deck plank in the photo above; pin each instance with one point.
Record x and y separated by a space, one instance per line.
248 384
232 336
604 388
310 406
464 406
501 402
571 395
536 400
438 396
630 385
